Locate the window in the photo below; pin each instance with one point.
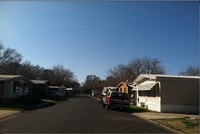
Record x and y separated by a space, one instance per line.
142 93
108 94
25 89
16 87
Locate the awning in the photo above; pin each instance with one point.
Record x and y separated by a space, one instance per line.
144 87
133 87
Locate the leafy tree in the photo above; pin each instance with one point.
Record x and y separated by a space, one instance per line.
191 71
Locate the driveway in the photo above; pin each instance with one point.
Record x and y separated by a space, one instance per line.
7 114
77 115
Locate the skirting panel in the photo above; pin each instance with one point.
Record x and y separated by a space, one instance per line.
180 109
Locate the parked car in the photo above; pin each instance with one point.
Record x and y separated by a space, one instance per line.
115 99
105 92
55 95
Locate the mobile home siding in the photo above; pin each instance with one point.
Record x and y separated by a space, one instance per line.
8 88
179 94
180 109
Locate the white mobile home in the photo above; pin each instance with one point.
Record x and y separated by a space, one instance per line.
168 93
13 86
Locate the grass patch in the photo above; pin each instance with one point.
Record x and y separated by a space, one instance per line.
190 123
185 125
136 109
48 101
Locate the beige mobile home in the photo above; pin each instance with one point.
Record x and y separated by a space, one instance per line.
168 93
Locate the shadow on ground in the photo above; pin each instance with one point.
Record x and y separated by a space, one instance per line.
81 96
130 110
136 110
28 107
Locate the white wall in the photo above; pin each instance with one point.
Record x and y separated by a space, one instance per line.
151 103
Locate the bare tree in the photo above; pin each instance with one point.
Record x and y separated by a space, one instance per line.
10 63
29 70
135 67
111 81
152 66
62 75
92 82
59 76
47 74
191 71
118 71
9 58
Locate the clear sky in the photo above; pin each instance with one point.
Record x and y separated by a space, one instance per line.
93 37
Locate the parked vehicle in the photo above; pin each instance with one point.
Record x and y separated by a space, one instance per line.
69 92
105 92
107 89
55 95
94 92
115 99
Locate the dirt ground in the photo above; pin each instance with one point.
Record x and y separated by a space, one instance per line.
8 113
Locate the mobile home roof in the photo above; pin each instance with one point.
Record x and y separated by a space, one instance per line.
154 76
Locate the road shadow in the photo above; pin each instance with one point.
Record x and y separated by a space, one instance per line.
136 110
60 99
27 107
129 110
81 96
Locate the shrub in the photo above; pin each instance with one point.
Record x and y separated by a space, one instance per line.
29 99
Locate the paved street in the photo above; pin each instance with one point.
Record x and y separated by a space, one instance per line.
79 114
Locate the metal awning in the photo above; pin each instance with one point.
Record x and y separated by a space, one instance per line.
144 87
133 87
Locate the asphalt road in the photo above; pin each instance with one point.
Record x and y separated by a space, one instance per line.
78 115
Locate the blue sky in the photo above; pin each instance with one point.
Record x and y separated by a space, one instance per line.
93 37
